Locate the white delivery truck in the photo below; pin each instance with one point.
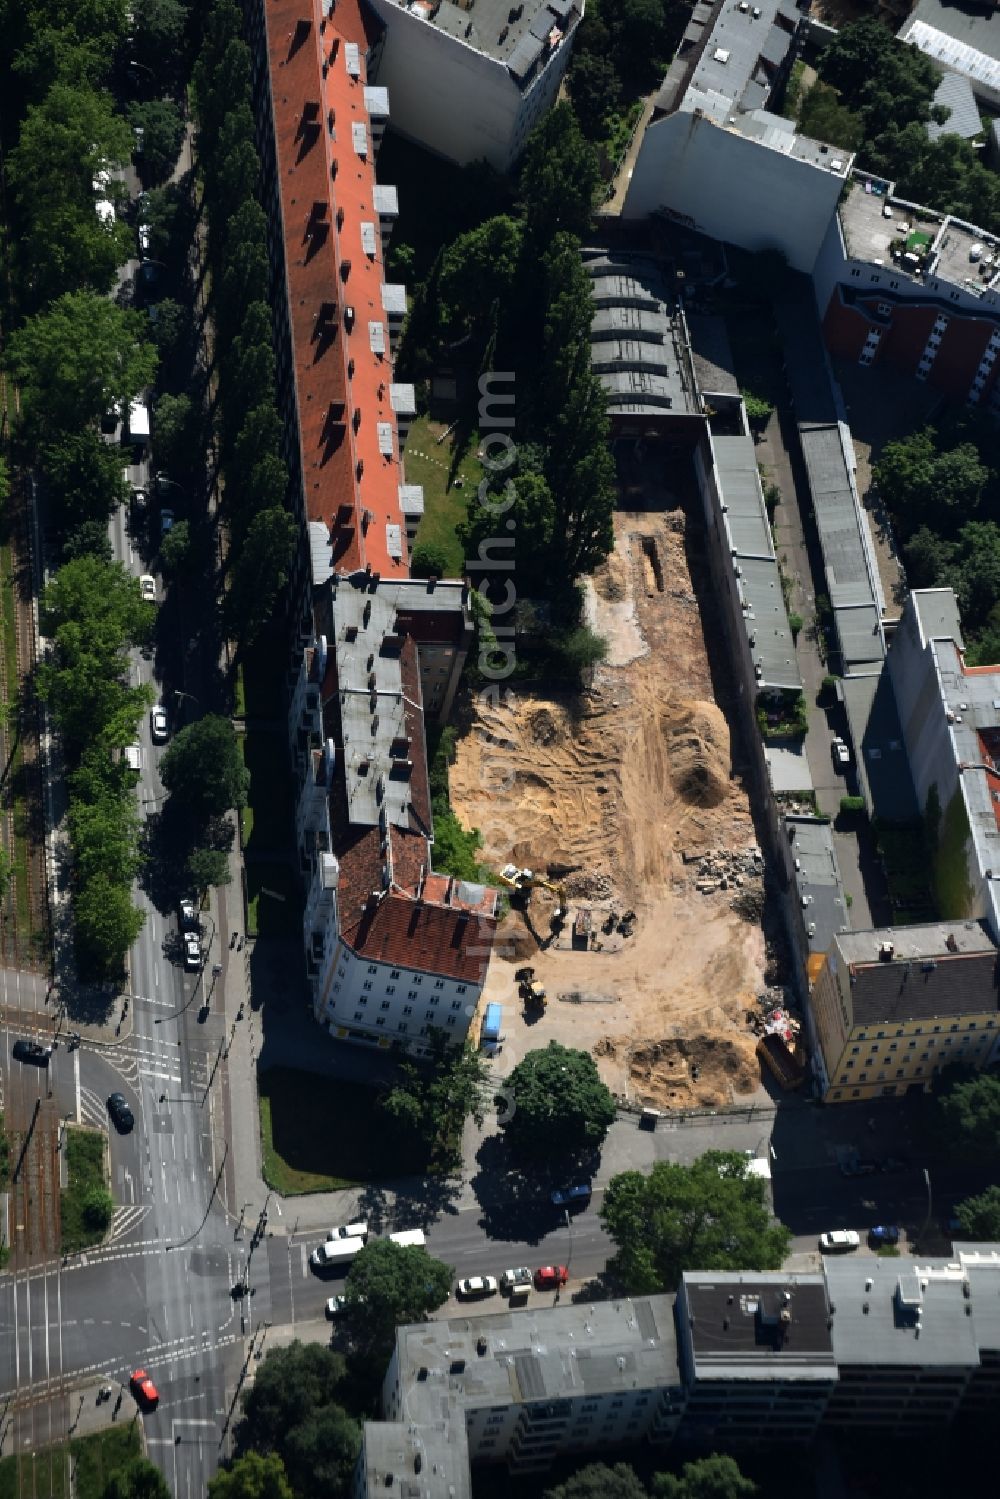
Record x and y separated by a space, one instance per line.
336 1252
138 423
410 1238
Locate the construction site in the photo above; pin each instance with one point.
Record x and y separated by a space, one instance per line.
619 821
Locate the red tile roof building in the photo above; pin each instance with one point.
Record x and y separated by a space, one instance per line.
393 950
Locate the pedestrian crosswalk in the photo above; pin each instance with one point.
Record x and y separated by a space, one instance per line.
127 1219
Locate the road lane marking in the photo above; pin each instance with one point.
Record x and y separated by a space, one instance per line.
76 1081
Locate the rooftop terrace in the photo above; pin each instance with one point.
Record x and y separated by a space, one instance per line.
915 242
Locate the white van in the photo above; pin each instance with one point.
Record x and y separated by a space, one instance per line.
411 1238
336 1252
138 422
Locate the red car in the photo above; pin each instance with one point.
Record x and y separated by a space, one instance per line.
144 1390
548 1277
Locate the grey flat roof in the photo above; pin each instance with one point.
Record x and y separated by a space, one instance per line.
487 26
963 56
974 26
715 369
955 93
880 1326
548 1352
910 943
881 760
732 53
403 1461
752 550
817 879
780 135
788 766
759 1326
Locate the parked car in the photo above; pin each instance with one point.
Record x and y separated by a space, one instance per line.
189 916
840 754
550 1277
882 1235
514 1282
336 1306
121 1115
144 235
476 1286
30 1051
839 1241
357 1230
192 952
144 1390
147 587
574 1198
159 730
166 521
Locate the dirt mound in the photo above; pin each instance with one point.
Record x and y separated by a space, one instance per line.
514 941
698 753
663 1073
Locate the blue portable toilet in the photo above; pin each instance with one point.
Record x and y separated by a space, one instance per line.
489 1035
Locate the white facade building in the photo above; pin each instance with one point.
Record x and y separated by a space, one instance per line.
472 82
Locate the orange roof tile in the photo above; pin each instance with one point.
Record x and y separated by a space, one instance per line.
326 177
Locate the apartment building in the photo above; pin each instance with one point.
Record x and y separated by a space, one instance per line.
891 1008
470 80
716 158
393 949
900 284
736 1360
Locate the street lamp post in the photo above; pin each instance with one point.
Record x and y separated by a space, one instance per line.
930 1203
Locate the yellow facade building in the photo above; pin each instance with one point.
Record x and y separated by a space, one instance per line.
892 1007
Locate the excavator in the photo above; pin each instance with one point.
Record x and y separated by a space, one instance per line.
525 880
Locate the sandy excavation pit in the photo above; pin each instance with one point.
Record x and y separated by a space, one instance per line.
619 794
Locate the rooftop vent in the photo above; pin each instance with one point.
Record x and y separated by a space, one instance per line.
885 952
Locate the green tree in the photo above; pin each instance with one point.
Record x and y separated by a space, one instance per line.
428 560
974 572
170 325
105 834
520 496
321 1451
75 359
175 548
62 42
823 118
162 127
598 1481
559 181
979 1217
158 35
84 476
714 1477
970 1105
65 140
98 1209
390 1284
478 271
176 424
434 1098
710 1215
107 924
259 573
207 867
203 767
139 1479
252 1477
558 1105
759 408
595 89
923 486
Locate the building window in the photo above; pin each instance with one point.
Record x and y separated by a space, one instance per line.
402 1027
412 994
368 986
912 1045
372 968
972 1025
439 984
461 989
837 1093
899 1072
363 1000
435 999
850 1061
336 988
855 1092
418 978
862 1077
456 1004
452 1019
390 988
881 1035
424 1030
843 1077
384 1005
407 1009
855 1050
893 1045
380 1021
394 974
855 272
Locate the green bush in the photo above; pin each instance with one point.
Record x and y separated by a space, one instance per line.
428 561
795 623
851 806
759 408
97 1209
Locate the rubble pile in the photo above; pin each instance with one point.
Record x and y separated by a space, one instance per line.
728 869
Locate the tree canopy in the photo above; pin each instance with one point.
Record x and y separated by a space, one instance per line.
162 126
714 1477
294 1410
924 485
390 1284
559 178
252 1477
970 1105
84 476
710 1215
434 1098
557 1103
598 1481
139 1479
203 767
76 359
979 1217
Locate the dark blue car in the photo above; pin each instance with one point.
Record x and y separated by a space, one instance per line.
883 1235
573 1198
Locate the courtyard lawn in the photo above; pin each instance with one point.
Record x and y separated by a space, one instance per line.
428 463
319 1134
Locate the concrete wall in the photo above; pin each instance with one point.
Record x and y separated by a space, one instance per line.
732 188
449 97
